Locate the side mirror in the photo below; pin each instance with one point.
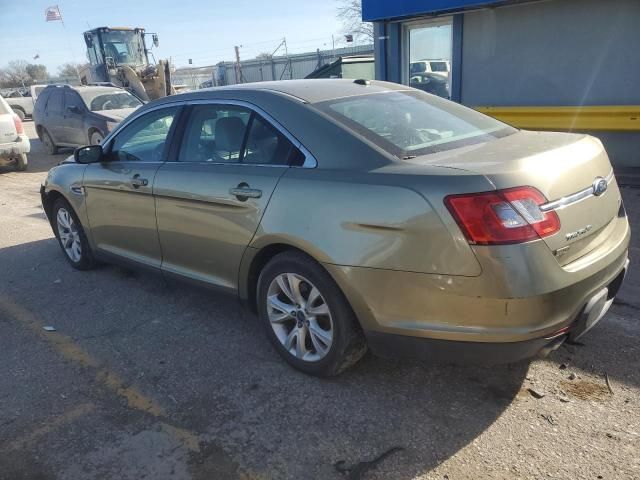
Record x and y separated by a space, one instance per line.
74 109
88 39
88 154
155 40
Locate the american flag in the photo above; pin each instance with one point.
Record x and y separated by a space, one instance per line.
52 14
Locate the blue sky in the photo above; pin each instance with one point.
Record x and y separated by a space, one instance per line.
205 31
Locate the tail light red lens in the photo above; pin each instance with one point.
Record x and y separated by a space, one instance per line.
18 123
502 217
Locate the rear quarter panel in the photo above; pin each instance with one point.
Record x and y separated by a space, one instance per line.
380 219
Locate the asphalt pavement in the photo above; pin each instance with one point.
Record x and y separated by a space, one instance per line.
146 379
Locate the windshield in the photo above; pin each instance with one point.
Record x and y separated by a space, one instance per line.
410 123
109 100
125 47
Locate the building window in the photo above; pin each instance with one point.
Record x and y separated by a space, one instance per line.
428 56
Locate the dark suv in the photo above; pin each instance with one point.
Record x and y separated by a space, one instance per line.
67 116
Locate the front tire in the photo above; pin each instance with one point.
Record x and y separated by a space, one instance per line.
71 237
307 317
96 138
47 141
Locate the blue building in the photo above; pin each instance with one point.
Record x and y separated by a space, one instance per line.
571 65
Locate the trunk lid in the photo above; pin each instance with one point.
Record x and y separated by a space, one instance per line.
563 167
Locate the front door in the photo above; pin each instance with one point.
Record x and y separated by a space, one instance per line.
119 199
210 202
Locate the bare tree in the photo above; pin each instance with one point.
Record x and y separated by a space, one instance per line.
37 72
70 69
350 14
16 74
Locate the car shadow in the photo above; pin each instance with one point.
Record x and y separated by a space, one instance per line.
209 355
207 361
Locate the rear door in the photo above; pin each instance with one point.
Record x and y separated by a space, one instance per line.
210 201
53 121
119 199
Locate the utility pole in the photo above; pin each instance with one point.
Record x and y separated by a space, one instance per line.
239 78
286 54
333 48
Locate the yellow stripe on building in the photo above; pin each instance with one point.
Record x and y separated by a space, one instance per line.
613 118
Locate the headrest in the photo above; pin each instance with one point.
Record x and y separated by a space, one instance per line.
229 134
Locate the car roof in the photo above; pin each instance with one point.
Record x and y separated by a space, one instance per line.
87 88
312 90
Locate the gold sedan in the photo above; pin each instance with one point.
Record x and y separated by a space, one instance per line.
355 214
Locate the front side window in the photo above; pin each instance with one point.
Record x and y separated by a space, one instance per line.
72 99
144 139
409 123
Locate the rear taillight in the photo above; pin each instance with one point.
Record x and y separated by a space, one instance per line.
505 216
18 123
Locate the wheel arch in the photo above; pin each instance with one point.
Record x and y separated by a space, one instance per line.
258 259
93 129
49 199
18 107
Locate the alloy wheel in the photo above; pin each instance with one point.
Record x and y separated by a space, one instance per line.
300 317
69 235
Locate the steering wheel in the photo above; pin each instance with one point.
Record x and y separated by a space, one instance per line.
106 105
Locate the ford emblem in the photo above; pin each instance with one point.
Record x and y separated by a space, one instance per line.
599 186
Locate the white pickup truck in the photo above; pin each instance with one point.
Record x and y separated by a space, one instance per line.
21 104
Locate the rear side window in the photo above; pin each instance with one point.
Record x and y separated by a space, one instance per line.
54 103
266 145
43 98
234 134
214 133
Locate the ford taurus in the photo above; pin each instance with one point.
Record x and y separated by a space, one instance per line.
353 215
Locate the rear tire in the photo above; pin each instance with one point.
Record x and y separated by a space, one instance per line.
47 141
71 237
21 162
320 334
21 115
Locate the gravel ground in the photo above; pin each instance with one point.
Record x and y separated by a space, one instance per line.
147 379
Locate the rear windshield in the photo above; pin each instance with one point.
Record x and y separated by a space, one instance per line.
109 100
409 123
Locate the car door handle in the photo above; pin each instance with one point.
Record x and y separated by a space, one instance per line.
243 192
138 182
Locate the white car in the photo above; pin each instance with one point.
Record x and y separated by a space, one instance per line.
14 143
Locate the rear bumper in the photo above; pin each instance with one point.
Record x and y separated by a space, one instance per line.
394 346
22 145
